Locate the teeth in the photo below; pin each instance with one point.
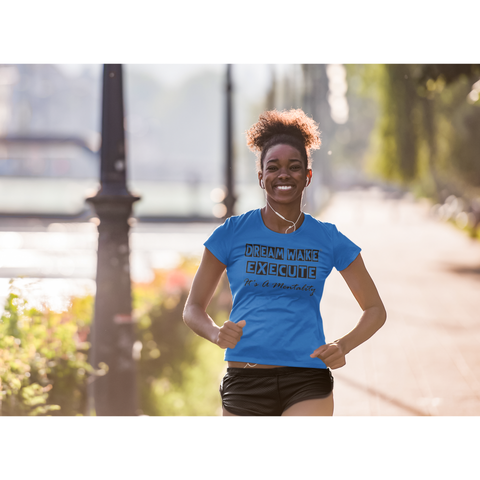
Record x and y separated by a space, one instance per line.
284 187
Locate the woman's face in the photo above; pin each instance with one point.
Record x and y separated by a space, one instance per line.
284 174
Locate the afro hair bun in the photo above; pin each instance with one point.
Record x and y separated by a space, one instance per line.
292 122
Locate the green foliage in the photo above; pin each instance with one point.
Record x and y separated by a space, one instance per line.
43 369
426 136
178 372
350 141
395 141
43 354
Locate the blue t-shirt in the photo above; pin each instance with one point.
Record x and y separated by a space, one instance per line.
277 282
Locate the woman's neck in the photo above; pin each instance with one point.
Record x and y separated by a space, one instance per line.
292 215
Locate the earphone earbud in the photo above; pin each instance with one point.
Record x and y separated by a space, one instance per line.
262 184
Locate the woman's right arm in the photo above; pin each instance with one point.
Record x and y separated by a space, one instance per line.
194 314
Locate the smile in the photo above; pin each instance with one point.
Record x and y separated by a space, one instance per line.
284 187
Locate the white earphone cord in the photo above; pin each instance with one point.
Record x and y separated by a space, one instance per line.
293 223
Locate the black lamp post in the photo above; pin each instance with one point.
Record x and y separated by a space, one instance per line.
114 393
230 199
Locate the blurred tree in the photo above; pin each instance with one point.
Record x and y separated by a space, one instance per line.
350 141
449 72
426 136
315 104
271 94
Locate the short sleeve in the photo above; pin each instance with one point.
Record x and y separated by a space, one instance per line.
219 241
344 250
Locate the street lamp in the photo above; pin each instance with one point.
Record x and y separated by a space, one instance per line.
230 198
114 393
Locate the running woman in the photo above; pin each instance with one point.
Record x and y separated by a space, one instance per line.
277 259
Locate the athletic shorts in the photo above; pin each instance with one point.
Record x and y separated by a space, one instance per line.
270 391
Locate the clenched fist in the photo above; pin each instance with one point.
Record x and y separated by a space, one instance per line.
230 333
331 355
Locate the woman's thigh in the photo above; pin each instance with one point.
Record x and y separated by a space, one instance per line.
311 408
226 413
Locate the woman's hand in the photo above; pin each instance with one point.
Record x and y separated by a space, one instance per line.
331 354
230 333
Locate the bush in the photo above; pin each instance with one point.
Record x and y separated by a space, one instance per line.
44 368
43 359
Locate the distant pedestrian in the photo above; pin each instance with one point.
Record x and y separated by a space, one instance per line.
277 259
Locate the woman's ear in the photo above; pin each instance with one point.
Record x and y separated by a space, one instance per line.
309 177
260 181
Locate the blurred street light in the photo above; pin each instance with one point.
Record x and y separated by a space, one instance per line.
230 199
112 333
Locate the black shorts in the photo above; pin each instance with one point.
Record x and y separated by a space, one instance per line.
270 391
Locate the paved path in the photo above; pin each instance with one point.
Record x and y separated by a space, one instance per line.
426 359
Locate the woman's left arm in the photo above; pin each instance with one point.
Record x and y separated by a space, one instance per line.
373 317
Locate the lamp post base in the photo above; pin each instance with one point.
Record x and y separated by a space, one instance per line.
113 335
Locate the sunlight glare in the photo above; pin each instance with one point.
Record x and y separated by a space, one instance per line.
217 195
337 85
219 210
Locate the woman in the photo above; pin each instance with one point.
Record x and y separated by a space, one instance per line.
277 259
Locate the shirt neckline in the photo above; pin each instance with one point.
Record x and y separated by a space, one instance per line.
296 232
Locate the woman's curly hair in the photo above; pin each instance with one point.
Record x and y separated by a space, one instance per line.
292 127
